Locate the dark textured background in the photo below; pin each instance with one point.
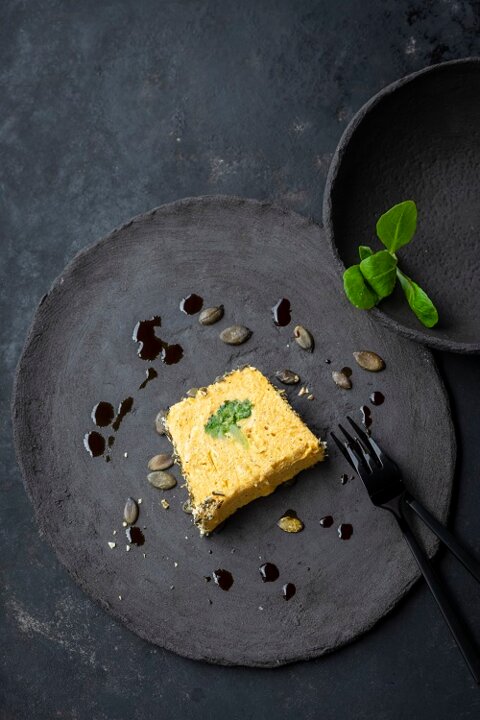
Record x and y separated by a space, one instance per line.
108 109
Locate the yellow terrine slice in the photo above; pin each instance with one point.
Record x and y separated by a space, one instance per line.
235 441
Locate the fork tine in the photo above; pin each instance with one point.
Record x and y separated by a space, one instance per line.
343 450
356 453
370 444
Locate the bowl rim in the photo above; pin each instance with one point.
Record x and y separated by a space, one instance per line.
418 335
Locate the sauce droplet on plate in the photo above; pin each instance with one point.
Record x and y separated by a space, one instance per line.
269 572
345 531
281 312
151 375
191 304
377 398
366 416
288 591
326 521
223 578
150 346
123 409
171 354
94 443
135 536
103 414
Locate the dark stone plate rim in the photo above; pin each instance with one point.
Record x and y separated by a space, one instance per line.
18 437
418 335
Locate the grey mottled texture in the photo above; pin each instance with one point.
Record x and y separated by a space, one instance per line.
94 97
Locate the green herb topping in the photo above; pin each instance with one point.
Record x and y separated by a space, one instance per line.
225 421
376 275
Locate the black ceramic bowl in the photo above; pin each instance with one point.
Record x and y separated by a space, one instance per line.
418 139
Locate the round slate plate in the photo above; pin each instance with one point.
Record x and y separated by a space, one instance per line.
418 139
246 255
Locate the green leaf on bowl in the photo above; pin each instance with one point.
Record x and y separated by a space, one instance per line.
379 271
418 300
357 290
364 251
397 226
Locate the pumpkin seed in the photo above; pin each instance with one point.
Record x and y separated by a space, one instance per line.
192 392
290 524
210 315
341 380
187 508
163 461
165 504
287 377
160 422
130 512
369 360
303 337
235 334
162 480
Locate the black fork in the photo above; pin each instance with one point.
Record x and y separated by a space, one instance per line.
383 481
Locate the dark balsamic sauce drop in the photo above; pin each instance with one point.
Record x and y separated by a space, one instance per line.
377 398
192 304
103 414
111 440
123 409
150 346
366 416
94 443
345 531
326 521
288 591
171 354
281 312
135 536
344 479
223 579
151 375
269 572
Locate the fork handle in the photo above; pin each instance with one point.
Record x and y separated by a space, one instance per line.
451 617
445 536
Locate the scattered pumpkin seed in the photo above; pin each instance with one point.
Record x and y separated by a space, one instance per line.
290 524
235 335
130 512
303 338
192 392
162 480
341 380
165 504
211 315
162 461
187 508
369 360
311 397
160 422
111 545
287 377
